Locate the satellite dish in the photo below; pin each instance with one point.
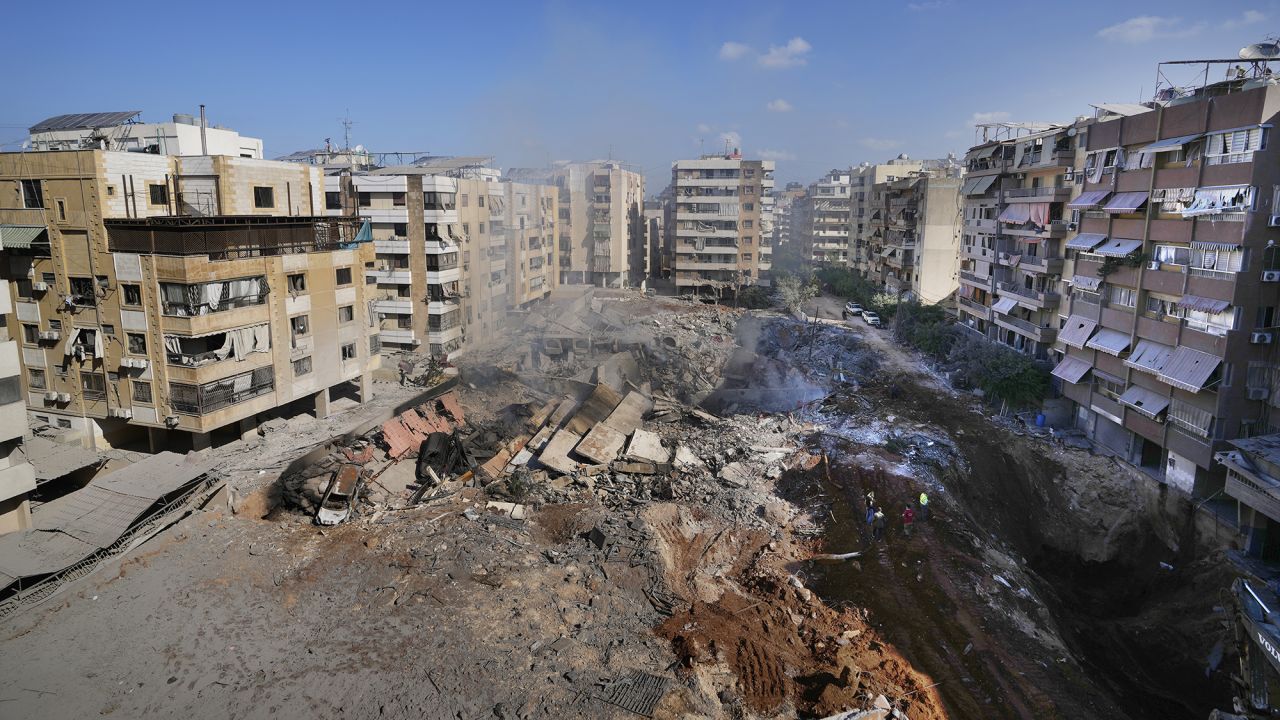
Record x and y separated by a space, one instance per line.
1071 132
1260 51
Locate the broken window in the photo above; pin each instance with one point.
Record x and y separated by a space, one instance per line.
94 386
346 314
343 275
297 283
37 379
132 294
349 351
215 347
298 325
158 194
30 334
141 391
82 292
181 300
333 200
32 194
302 366
264 197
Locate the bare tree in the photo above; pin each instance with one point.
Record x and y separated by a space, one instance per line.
794 292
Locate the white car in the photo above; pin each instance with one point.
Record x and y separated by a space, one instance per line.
852 308
870 318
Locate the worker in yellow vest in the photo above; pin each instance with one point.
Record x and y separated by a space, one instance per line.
924 506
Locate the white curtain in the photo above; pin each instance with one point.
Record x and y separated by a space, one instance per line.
71 341
172 344
211 297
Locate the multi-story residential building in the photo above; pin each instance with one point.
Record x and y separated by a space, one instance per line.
184 135
784 209
523 220
716 226
17 476
821 220
654 216
602 234
862 204
1168 346
915 235
179 297
1016 222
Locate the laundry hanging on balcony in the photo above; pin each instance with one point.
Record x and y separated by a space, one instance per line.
1016 214
1213 200
1038 214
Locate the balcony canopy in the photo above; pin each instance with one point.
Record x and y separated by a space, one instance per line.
1077 330
22 237
1072 369
1129 202
1118 247
1170 144
1149 356
1145 401
1085 242
1189 369
1089 200
1111 342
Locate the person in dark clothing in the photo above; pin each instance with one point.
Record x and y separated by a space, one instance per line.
877 525
908 519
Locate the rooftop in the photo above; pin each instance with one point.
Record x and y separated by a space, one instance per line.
85 121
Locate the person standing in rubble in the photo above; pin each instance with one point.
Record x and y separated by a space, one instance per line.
908 519
877 525
924 506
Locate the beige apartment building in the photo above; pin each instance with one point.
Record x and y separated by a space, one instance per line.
168 299
820 220
914 239
17 476
602 234
863 204
717 225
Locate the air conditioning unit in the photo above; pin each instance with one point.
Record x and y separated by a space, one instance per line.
119 412
40 287
1260 338
64 397
51 396
50 335
1153 265
1257 393
1271 276
133 362
1274 221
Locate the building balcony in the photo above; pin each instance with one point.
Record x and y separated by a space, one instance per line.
1041 265
443 306
394 246
973 307
713 233
444 335
386 215
210 397
1025 328
1038 194
977 252
982 225
1055 229
1033 298
223 237
399 336
440 217
229 319
208 367
439 246
394 307
705 265
975 280
399 276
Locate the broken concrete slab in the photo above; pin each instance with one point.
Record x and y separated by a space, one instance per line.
686 458
515 511
647 447
602 444
735 474
627 415
556 454
597 407
636 468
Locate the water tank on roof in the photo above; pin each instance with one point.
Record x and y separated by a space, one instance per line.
184 119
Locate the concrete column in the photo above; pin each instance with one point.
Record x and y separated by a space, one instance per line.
322 403
156 439
249 429
366 387
201 441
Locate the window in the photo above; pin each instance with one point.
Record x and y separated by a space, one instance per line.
82 293
1173 254
37 379
480 202
108 330
748 206
132 294
32 194
397 199
365 199
61 205
748 224
297 282
749 190
137 343
333 201
94 386
748 172
111 190
299 325
1235 146
159 194
466 227
141 391
302 366
400 229
30 334
64 423
375 344
24 288
349 351
481 228
464 200
346 314
1110 387
48 278
1266 317
264 197
1125 297
344 276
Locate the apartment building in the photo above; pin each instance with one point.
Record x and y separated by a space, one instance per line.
602 234
1168 343
124 132
17 476
168 299
862 204
655 214
524 222
914 240
1017 215
717 222
784 213
820 220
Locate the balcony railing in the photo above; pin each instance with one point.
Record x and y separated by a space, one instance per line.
226 236
213 396
1040 297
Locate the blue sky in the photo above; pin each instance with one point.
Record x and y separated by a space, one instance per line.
813 85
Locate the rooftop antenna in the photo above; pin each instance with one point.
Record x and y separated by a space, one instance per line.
347 122
1263 51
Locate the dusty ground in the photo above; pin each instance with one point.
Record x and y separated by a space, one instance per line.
704 585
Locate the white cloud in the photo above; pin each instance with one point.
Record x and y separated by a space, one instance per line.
732 138
779 105
1146 28
784 56
733 50
704 129
981 118
776 155
927 6
879 143
1249 17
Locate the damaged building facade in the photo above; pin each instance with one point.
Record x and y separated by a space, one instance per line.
914 239
162 299
721 226
1168 333
820 220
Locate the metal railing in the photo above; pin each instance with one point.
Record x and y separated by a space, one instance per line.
203 399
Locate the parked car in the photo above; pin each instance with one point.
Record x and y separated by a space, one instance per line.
852 309
870 318
339 502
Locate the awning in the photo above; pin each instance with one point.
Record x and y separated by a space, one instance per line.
1015 214
1169 144
1127 202
1189 369
1071 369
1111 342
21 236
986 152
1118 247
1004 305
1214 246
1077 331
1086 282
1144 401
1086 241
1149 356
978 186
1090 199
967 186
1202 304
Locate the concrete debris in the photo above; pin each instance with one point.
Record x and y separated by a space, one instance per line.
647 446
